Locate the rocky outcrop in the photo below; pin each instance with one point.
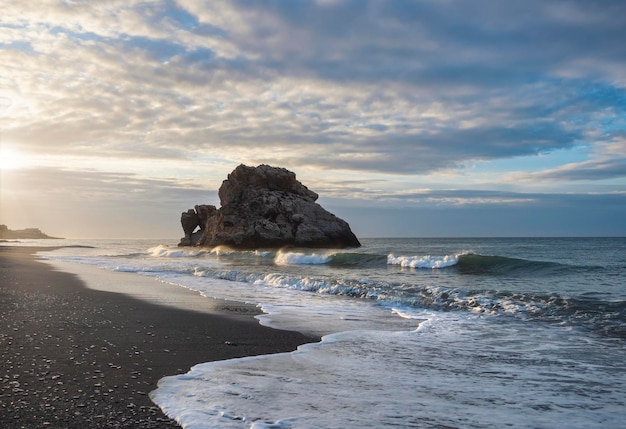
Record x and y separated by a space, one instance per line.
30 233
265 206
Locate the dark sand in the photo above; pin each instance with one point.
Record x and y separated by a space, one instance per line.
74 357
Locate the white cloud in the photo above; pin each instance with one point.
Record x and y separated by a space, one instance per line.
126 97
405 94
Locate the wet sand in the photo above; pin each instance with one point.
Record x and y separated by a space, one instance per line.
81 354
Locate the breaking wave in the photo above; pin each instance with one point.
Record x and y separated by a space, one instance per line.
609 317
463 262
341 273
427 261
163 251
296 258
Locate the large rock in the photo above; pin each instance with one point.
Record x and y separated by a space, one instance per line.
265 207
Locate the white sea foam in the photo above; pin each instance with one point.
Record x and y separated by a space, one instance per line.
426 261
162 251
421 375
288 304
297 258
386 294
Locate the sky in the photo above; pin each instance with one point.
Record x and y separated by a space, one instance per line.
422 118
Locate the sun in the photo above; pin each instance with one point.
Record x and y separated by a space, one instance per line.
11 159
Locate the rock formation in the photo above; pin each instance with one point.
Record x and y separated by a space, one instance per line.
6 233
265 206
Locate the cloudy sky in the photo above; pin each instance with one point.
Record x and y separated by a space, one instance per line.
409 118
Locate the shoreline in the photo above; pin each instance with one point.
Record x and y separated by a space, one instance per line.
79 355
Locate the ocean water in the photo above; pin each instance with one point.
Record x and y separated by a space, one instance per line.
417 333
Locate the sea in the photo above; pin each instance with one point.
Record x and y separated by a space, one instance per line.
415 332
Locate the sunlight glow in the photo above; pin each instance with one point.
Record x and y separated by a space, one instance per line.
11 159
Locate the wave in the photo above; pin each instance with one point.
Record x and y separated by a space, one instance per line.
338 260
297 258
606 317
323 285
426 261
163 251
474 264
500 265
344 274
463 263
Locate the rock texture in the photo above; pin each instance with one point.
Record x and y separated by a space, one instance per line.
265 206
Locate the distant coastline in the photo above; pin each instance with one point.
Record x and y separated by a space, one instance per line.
9 234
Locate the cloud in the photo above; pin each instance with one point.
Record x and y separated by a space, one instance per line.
359 73
589 170
401 91
56 185
428 42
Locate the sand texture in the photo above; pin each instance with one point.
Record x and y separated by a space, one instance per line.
76 357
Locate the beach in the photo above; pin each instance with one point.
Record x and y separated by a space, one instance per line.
515 332
75 356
